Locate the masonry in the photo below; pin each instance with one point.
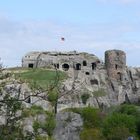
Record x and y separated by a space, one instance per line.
65 61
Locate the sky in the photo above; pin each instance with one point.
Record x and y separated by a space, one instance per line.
92 26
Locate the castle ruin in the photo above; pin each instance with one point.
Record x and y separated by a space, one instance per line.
115 62
87 73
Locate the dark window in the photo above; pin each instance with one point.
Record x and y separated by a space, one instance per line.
119 76
84 63
94 82
94 65
116 66
78 66
65 67
28 100
117 53
87 73
31 65
57 66
130 74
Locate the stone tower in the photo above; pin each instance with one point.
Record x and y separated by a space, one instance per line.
115 62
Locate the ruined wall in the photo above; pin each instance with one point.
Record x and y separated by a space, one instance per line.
115 63
60 60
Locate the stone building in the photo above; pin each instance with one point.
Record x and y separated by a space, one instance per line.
65 61
115 63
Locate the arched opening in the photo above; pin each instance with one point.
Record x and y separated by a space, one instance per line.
78 66
116 66
119 76
28 100
94 82
30 65
84 63
65 67
87 73
130 74
94 65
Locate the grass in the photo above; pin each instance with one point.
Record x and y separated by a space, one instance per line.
41 77
34 110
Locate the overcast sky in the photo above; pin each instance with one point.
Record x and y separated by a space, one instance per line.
87 25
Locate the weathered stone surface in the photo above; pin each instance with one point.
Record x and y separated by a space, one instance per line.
68 126
28 126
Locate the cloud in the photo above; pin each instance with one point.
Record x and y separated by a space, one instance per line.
18 38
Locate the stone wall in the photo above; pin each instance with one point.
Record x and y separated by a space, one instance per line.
115 63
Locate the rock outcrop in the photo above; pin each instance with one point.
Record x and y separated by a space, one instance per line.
68 126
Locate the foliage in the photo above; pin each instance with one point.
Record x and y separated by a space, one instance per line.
34 110
91 116
85 97
53 96
118 120
119 133
47 126
44 138
129 109
132 110
50 123
90 134
11 128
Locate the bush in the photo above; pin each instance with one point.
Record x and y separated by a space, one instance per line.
53 96
129 110
117 120
50 124
118 133
34 110
92 117
91 134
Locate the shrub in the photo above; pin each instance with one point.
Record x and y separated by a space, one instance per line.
53 96
34 110
117 120
50 124
91 134
92 117
118 133
129 110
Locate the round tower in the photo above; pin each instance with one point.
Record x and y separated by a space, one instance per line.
115 62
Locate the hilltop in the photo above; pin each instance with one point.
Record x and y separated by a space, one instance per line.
68 95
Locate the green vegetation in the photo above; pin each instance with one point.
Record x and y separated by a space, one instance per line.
53 96
42 138
47 126
120 123
34 110
91 134
42 78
